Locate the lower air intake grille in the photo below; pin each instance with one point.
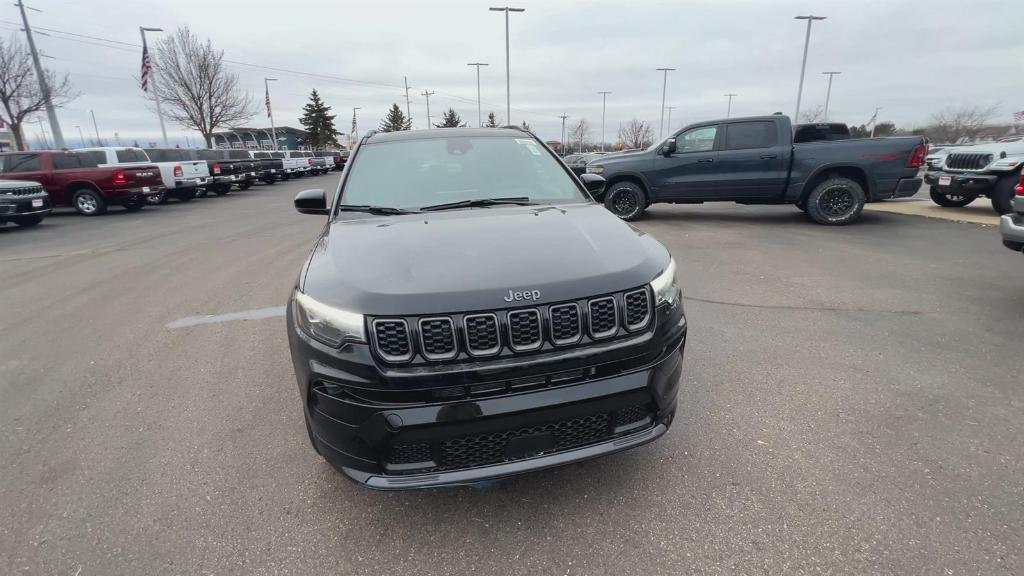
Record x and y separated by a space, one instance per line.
524 329
630 415
410 453
392 339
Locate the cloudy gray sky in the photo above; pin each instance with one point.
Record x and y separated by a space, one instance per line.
911 58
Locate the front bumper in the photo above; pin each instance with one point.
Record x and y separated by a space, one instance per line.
977 184
619 399
127 195
13 206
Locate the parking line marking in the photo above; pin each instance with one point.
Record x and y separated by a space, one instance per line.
257 314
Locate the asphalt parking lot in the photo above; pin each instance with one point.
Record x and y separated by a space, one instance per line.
851 404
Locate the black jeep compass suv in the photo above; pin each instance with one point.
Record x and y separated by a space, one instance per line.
468 312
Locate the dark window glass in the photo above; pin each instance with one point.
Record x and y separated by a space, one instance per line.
131 155
165 155
261 155
747 135
277 154
697 139
73 161
21 163
210 155
238 155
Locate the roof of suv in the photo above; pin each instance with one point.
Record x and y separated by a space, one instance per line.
448 133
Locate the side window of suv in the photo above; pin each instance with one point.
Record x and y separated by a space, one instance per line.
697 140
21 163
748 135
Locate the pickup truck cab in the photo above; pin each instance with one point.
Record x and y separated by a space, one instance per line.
181 176
76 179
966 173
754 161
24 203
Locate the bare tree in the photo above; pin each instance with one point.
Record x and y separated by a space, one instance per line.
579 132
636 134
953 125
20 95
813 116
195 87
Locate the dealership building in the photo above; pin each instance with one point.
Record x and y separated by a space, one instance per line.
288 138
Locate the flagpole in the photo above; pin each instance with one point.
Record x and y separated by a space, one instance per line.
152 79
270 114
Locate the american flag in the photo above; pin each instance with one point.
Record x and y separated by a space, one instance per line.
1018 117
147 66
267 101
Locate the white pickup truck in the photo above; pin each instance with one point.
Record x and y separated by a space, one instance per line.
181 176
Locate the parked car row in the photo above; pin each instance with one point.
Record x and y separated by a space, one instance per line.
93 179
968 172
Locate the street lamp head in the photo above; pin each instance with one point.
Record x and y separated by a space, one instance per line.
831 73
665 69
507 9
270 79
477 64
144 29
809 17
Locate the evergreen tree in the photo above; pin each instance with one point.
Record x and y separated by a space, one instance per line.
395 121
450 119
527 127
319 123
492 120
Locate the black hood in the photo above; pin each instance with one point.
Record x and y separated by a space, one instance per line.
466 260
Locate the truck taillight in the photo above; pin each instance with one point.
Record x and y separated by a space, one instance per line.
309 161
1019 189
119 177
178 172
216 168
917 155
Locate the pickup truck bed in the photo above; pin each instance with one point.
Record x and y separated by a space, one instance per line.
754 161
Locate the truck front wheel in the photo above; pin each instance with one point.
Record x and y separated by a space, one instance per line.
949 200
836 202
1002 193
626 200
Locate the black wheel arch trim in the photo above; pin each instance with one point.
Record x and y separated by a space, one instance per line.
811 181
629 176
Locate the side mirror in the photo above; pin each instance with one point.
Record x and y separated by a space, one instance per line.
669 147
593 182
311 202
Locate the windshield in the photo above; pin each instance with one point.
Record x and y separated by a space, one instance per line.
417 173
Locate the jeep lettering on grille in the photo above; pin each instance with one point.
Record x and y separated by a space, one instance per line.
524 295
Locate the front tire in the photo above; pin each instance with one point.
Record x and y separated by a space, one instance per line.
836 202
1002 194
88 203
27 221
947 200
626 200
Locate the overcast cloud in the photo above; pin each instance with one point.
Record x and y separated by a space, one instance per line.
911 58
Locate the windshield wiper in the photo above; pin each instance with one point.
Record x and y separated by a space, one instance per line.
520 200
373 209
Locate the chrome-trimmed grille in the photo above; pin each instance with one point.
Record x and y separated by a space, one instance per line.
524 330
968 160
437 338
566 324
634 303
483 337
22 191
603 317
388 336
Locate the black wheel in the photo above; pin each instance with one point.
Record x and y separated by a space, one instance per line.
27 221
186 195
135 205
220 189
245 185
88 202
1002 193
269 180
160 198
949 199
626 200
836 201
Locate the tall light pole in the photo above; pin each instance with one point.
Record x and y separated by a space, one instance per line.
427 95
604 100
670 109
803 66
44 88
508 74
563 117
728 108
355 132
664 84
874 121
80 135
479 118
270 111
95 127
408 108
828 93
152 80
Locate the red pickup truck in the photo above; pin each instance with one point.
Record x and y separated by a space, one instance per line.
73 178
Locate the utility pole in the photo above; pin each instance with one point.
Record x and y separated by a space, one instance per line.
80 135
508 74
188 143
828 93
42 133
152 80
51 112
479 117
670 109
563 117
428 95
728 109
664 84
270 112
99 142
355 131
408 109
874 121
604 100
803 66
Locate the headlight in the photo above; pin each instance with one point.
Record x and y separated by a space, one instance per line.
665 286
329 325
595 169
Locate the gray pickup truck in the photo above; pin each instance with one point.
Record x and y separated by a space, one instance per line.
754 161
